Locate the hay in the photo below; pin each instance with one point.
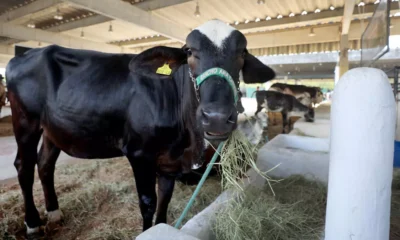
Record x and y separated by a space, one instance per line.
237 156
294 213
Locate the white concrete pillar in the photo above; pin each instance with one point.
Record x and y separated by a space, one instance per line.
361 157
337 74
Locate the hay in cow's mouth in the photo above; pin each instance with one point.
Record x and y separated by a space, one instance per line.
237 156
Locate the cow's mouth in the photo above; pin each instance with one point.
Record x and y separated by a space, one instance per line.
216 135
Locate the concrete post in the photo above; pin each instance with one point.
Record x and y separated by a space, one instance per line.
337 73
361 157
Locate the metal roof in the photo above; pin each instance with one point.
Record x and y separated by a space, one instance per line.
242 14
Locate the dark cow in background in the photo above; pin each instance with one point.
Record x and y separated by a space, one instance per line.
306 95
154 108
286 104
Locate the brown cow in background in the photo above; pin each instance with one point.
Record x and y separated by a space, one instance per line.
308 96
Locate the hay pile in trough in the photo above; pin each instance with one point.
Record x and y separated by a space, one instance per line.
296 212
98 199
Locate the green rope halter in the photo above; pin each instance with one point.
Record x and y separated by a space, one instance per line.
220 73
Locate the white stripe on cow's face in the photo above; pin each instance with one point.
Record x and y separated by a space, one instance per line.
217 31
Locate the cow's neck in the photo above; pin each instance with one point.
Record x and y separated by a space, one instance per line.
189 105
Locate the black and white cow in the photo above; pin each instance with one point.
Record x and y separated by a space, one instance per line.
286 104
155 108
306 95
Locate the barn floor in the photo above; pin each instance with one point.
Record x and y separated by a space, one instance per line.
99 201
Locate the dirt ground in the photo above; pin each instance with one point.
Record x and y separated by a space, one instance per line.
99 201
6 127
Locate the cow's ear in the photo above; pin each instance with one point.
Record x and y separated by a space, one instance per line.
158 61
254 71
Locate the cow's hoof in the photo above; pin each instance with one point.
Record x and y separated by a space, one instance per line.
36 233
55 216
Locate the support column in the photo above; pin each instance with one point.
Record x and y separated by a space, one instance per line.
344 56
361 157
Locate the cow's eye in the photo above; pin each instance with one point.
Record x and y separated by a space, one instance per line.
188 51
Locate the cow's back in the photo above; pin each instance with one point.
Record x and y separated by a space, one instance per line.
59 75
80 97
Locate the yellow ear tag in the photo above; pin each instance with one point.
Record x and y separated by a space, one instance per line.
164 70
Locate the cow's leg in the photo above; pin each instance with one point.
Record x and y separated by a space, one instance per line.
27 135
284 121
144 169
48 155
165 189
259 108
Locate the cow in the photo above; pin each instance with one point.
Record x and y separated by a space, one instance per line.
306 95
155 108
286 104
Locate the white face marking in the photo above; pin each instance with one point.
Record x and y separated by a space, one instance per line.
217 31
196 166
31 230
54 216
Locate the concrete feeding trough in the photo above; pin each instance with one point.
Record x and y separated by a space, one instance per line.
307 156
323 110
320 128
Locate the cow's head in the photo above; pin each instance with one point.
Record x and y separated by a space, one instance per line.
319 96
216 55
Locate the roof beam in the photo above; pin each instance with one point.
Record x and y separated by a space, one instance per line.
88 21
30 8
142 41
309 19
126 12
29 34
347 15
323 33
151 5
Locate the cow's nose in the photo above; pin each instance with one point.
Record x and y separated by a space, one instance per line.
212 118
